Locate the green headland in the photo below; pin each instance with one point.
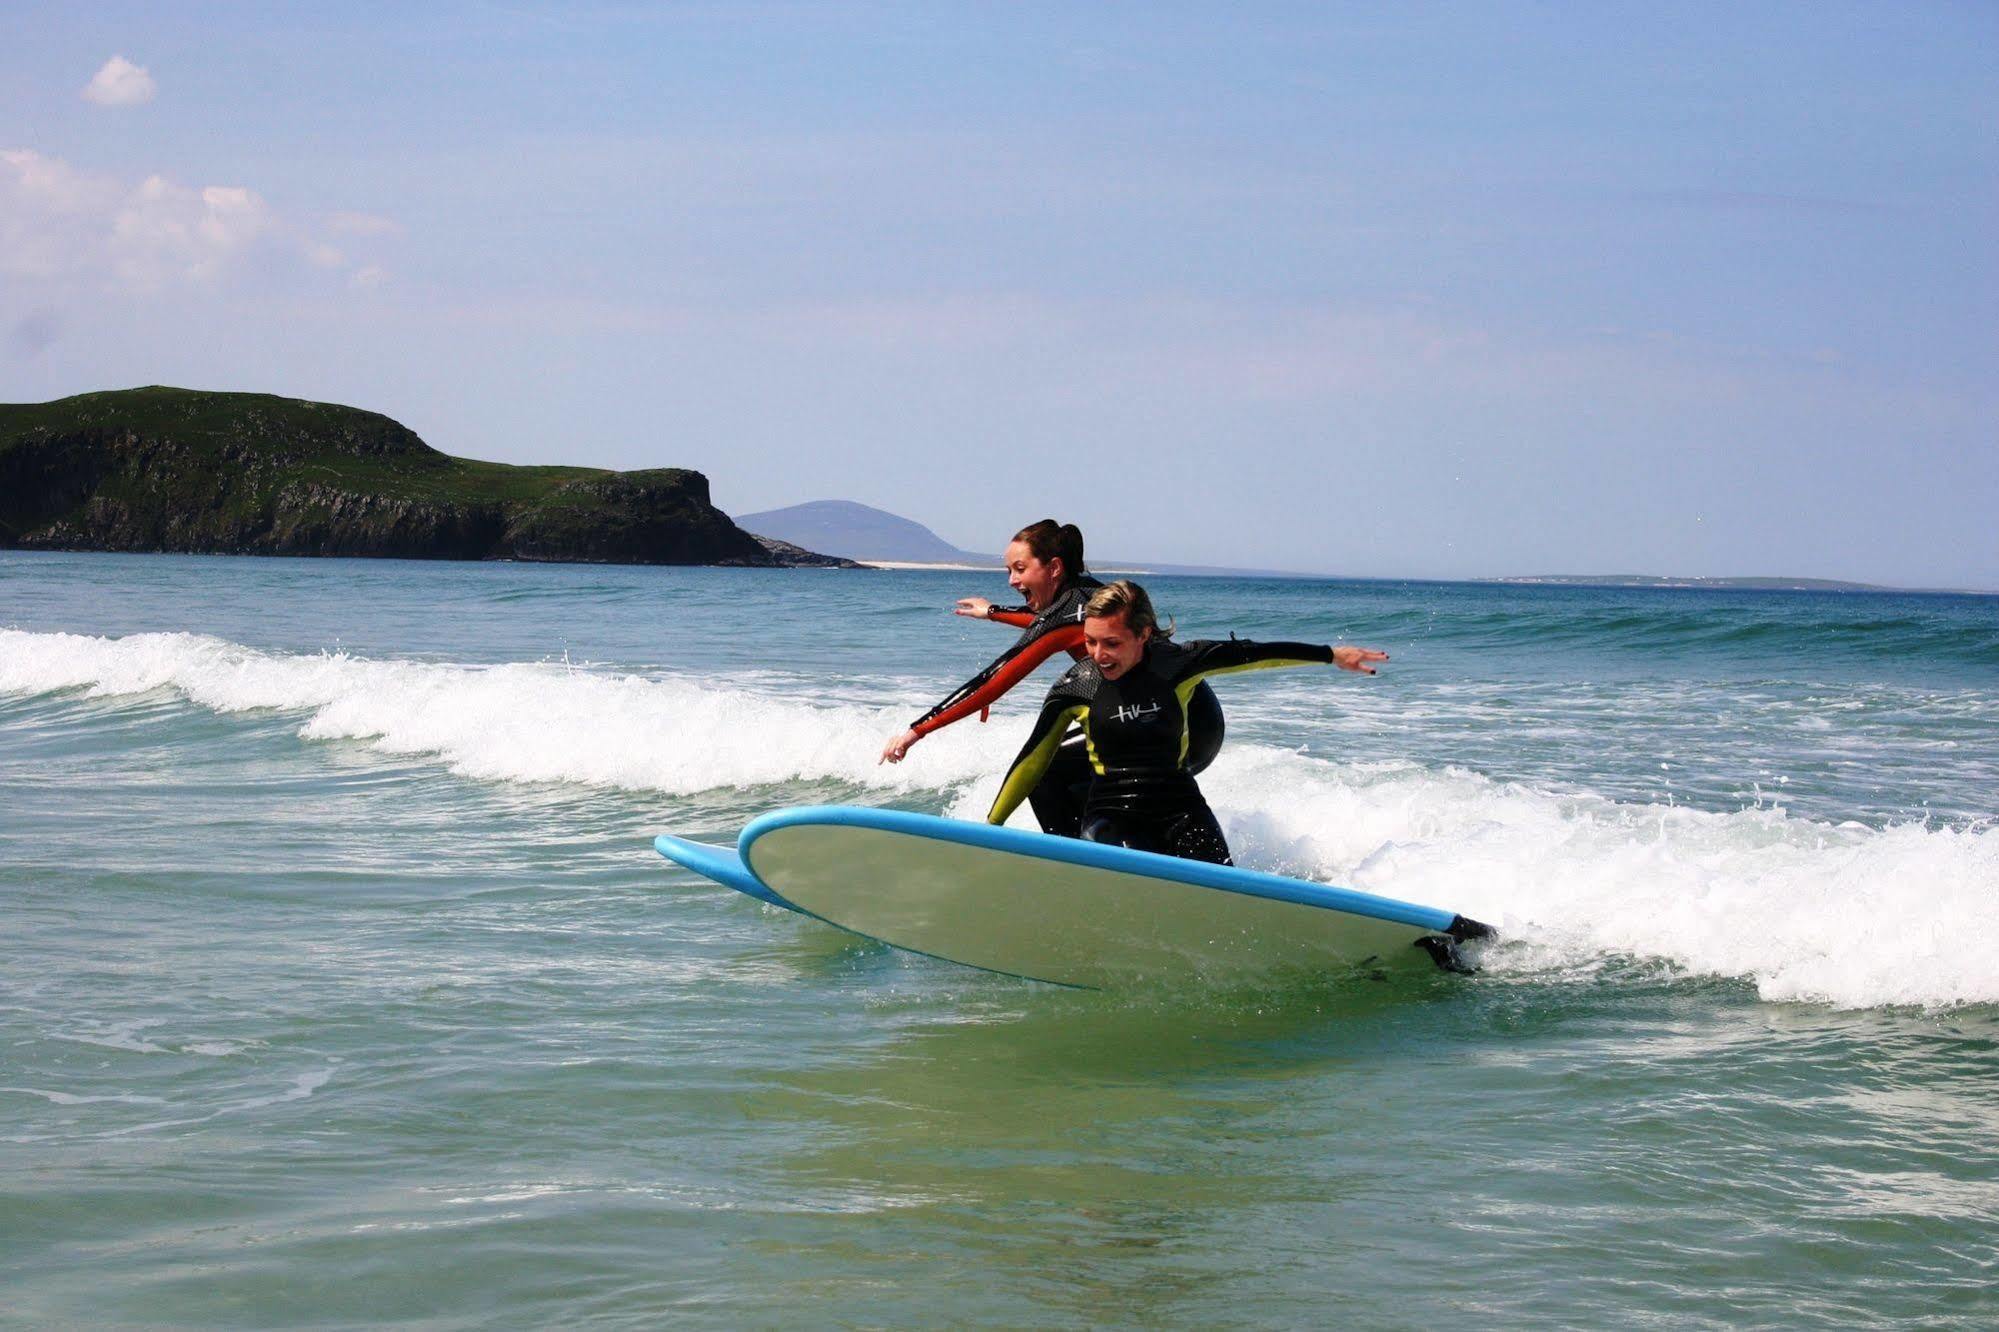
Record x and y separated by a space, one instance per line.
168 469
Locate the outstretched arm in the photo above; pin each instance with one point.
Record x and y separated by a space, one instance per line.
987 687
978 608
1035 755
1208 658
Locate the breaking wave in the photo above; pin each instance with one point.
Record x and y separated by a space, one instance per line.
1804 909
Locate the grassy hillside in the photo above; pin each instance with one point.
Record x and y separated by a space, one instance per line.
177 469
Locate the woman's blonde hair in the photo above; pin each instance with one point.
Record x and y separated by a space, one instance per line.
1129 600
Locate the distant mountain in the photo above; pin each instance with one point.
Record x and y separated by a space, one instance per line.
842 527
861 532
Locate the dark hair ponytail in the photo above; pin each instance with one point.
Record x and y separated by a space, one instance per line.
1050 540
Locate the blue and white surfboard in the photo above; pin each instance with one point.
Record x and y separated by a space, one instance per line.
1060 910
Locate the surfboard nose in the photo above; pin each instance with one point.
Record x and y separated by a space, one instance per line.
1444 949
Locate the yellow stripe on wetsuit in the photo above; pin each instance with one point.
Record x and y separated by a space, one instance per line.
1027 771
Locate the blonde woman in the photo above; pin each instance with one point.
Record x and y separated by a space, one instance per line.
1130 693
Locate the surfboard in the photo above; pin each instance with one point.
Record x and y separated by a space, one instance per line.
1060 910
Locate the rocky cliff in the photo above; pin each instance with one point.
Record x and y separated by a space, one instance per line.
163 469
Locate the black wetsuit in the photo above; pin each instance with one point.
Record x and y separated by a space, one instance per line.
1136 732
1060 793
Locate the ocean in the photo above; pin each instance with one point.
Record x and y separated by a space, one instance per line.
339 982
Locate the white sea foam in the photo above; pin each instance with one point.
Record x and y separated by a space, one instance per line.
517 722
1804 909
1807 910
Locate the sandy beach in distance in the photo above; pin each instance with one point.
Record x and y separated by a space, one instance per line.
974 568
918 564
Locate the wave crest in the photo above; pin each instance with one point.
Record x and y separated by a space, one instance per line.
529 722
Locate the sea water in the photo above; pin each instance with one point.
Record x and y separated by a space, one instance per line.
339 982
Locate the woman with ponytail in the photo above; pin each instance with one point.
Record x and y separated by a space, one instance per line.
1044 563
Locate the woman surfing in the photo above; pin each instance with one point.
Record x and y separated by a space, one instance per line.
1131 695
1044 563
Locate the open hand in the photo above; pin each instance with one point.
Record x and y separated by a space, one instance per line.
976 607
1357 658
894 750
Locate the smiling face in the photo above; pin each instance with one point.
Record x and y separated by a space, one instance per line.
1112 645
1035 579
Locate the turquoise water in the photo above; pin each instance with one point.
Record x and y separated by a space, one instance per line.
339 983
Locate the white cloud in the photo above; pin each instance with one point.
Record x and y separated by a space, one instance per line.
164 232
369 277
52 181
57 222
120 83
49 214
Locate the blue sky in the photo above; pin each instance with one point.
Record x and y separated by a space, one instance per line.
1370 289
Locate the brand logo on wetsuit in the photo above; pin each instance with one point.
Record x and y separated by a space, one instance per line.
1136 712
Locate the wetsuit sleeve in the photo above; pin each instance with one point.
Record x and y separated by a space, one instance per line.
1017 616
1016 664
1203 659
1036 754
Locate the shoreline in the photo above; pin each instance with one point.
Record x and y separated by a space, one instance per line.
925 564
943 567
